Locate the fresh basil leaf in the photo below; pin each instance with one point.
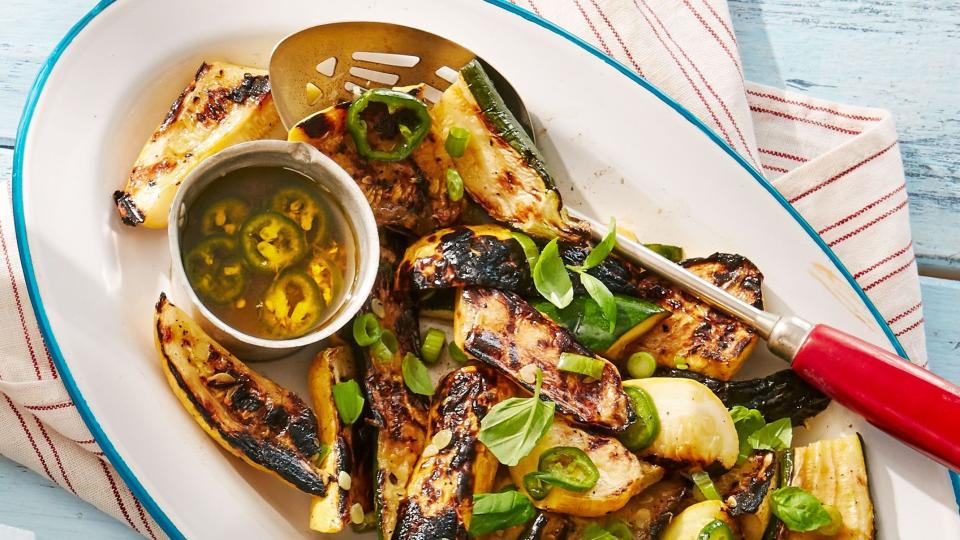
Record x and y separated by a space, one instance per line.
798 509
498 511
773 436
349 400
596 532
746 421
416 376
512 427
603 297
551 278
600 251
530 250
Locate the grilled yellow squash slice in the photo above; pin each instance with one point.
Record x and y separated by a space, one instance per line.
836 473
455 464
746 491
249 415
399 416
223 105
688 524
697 335
501 168
696 430
622 474
410 193
330 513
501 329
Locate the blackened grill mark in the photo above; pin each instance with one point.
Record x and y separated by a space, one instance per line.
272 456
318 125
129 213
753 486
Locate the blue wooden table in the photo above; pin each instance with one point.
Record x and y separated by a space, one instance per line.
898 55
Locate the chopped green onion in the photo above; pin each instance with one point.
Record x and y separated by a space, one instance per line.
432 345
348 400
366 330
584 365
456 353
673 253
680 362
384 349
456 142
715 530
530 250
454 185
415 375
705 485
641 365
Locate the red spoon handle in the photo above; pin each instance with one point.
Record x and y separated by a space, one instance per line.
906 401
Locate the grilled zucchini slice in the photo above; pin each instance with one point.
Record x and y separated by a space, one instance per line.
502 169
780 395
696 430
622 474
501 329
697 335
330 513
410 194
223 105
399 416
439 494
249 415
487 255
836 473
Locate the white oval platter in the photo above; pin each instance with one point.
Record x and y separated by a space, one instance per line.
619 148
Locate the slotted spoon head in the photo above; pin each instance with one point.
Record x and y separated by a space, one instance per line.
317 67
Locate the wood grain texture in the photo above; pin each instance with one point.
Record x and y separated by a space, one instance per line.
896 54
940 300
31 502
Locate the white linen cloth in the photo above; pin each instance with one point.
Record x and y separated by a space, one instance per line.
838 164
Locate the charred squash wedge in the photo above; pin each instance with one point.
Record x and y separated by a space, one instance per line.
249 415
697 335
488 255
399 416
439 494
223 105
622 475
502 169
330 513
696 430
501 329
401 193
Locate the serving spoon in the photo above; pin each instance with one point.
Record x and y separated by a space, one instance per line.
316 66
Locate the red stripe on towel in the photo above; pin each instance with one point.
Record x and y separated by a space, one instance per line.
843 173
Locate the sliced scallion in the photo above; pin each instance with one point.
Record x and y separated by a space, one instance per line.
641 365
454 185
366 330
705 485
384 349
432 346
456 143
578 363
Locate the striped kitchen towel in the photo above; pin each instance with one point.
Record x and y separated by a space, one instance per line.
838 164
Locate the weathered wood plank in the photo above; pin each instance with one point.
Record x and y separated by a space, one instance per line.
940 300
31 502
896 54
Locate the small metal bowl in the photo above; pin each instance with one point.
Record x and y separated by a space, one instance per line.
331 178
